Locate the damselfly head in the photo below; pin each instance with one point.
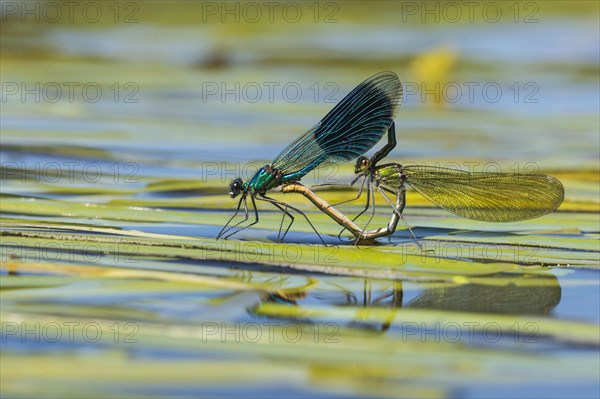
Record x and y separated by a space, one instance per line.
362 165
236 187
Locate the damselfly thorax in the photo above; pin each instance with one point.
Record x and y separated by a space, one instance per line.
266 179
389 177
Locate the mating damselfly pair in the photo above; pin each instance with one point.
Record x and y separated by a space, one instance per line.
347 132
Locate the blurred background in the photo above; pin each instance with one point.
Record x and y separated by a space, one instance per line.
159 104
235 81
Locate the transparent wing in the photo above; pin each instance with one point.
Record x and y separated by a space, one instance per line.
489 197
349 130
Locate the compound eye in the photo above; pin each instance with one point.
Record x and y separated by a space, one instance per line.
362 164
235 188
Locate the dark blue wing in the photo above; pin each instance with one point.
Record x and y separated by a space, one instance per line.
348 131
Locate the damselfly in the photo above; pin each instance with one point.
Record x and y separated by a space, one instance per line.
348 131
488 197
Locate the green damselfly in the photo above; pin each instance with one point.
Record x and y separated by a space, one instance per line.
483 196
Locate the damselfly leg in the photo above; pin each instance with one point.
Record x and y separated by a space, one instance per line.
280 203
225 228
285 213
246 218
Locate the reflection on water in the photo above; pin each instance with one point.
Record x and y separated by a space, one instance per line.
374 294
516 295
523 295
